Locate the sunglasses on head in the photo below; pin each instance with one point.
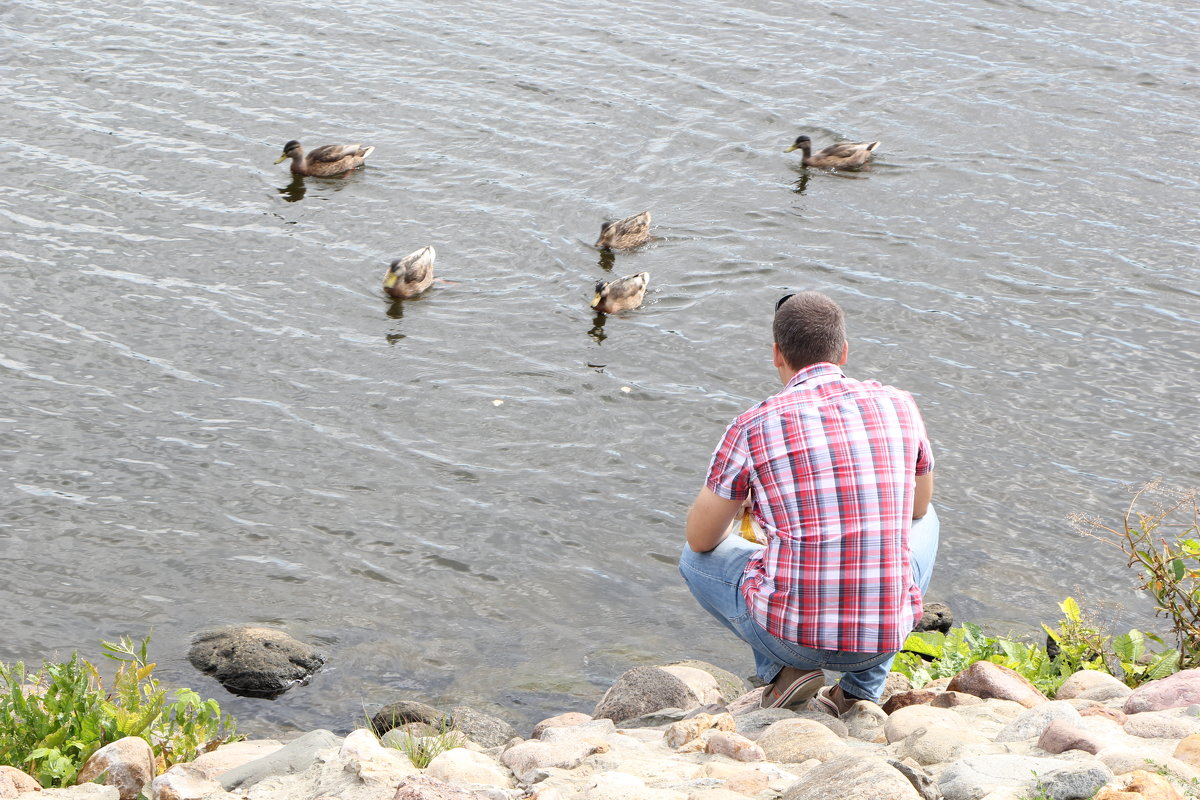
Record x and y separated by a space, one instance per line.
779 303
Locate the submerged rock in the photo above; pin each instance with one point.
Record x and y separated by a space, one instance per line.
254 662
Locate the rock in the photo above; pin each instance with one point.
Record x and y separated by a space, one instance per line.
255 662
735 746
911 697
702 684
852 777
896 682
642 690
937 745
371 760
528 758
954 700
467 766
833 723
731 686
1161 725
217 762
1173 691
13 782
865 720
623 786
183 782
660 718
921 780
424 787
595 732
684 731
936 617
295 756
1033 722
975 777
902 723
86 791
752 724
560 721
482 728
1141 785
797 740
404 712
127 764
1188 750
985 679
748 702
1091 684
1115 715
1061 735
1124 760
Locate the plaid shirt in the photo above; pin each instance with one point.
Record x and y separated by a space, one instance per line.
830 463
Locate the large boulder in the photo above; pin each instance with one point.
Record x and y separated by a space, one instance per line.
730 685
127 764
985 679
255 662
482 728
795 741
14 782
853 777
977 776
935 617
294 757
1173 691
642 690
407 712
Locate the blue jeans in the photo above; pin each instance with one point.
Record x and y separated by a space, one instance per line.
715 578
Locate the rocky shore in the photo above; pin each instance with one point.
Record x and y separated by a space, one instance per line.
691 731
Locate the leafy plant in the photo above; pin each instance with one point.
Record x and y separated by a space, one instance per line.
423 743
1168 566
1137 666
53 720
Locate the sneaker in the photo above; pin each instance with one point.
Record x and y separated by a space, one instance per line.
823 703
792 688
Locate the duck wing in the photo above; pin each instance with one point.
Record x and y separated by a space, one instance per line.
331 153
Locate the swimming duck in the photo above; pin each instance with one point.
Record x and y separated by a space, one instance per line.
326 161
621 294
411 275
625 234
843 155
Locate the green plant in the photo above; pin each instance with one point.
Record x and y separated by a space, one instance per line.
1136 664
1168 566
53 720
423 743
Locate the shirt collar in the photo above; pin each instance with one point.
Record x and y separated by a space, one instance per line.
816 374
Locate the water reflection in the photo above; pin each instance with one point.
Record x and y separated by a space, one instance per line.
294 191
597 331
801 183
607 259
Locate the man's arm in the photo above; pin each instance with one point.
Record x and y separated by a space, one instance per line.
922 495
708 520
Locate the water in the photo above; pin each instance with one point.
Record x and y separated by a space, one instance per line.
212 414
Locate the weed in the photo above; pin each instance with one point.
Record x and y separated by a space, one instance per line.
423 743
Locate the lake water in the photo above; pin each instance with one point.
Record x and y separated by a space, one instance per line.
212 414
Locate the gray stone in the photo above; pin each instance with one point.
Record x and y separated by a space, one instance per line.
910 718
752 725
1123 760
642 690
865 721
921 780
86 791
1033 723
656 719
975 777
935 617
853 777
1091 684
295 756
731 685
797 740
424 787
256 662
482 728
936 745
833 723
1161 725
405 712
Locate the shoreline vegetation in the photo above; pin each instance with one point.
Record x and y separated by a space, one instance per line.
966 714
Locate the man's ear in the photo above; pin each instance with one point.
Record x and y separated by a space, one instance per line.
777 356
845 354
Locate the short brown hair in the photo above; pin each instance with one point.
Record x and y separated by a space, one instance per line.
809 327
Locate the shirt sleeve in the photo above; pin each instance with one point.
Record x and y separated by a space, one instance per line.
924 450
729 471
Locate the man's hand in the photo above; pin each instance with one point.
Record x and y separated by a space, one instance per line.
708 520
922 495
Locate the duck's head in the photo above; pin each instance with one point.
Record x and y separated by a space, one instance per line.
289 150
801 143
601 288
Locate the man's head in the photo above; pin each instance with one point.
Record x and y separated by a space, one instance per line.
809 327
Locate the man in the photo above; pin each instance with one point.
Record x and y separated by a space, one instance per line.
835 472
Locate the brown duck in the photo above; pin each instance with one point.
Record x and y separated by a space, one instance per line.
625 234
843 155
326 161
621 294
411 275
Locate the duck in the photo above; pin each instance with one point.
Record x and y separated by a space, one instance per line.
625 234
327 160
843 155
411 275
621 294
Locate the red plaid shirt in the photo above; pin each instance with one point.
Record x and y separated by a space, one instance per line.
830 464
